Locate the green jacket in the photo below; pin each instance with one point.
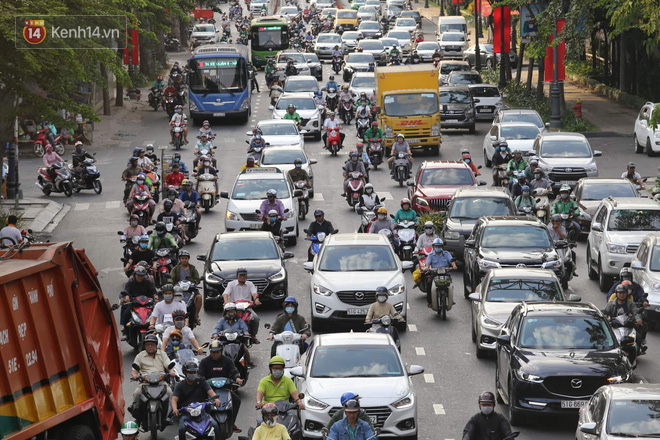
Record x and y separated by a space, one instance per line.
297 174
176 270
373 134
340 415
155 242
520 201
402 215
517 166
292 116
569 207
297 320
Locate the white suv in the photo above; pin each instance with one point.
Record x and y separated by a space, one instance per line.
646 138
645 267
346 273
618 227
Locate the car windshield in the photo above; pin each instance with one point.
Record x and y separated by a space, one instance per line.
534 118
529 237
453 36
400 35
566 332
357 361
350 36
471 208
485 92
406 22
455 97
360 58
446 176
371 45
204 28
428 45
300 85
452 27
465 78
349 15
255 189
634 220
565 148
395 9
278 129
248 249
368 9
217 75
357 258
654 265
519 132
389 42
519 290
364 82
329 39
300 103
447 68
297 58
634 418
599 191
488 48
279 156
311 57
409 104
292 11
370 26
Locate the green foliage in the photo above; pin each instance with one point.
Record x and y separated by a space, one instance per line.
519 96
570 123
438 219
655 118
4 213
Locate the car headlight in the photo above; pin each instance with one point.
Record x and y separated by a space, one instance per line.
421 201
435 129
279 276
406 402
212 278
656 287
452 235
312 403
591 168
616 248
487 264
396 290
245 104
290 214
528 377
193 107
619 379
489 322
554 264
320 290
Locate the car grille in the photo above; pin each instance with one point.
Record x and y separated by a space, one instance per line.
304 122
564 385
632 248
381 413
261 284
559 174
439 204
354 298
540 265
250 217
459 115
409 132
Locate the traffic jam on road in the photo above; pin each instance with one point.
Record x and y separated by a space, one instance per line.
333 209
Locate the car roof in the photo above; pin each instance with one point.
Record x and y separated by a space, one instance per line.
301 78
482 191
363 74
502 220
462 87
297 95
357 338
264 173
626 391
522 273
631 202
347 239
549 308
368 21
462 63
285 148
562 135
492 86
604 180
518 111
276 122
514 123
433 164
243 235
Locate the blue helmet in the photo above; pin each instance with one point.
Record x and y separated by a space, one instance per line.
525 188
348 396
291 300
438 242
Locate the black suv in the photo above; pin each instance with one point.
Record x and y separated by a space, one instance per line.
498 242
254 250
551 357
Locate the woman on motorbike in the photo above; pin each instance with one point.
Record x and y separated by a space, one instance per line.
405 213
381 307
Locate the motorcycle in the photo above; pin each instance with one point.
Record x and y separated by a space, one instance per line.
234 348
385 325
188 221
347 110
528 211
275 92
442 300
401 168
331 99
542 205
180 95
368 215
138 326
206 152
502 176
169 104
289 348
355 188
422 254
362 125
62 182
334 141
155 97
336 64
407 238
88 179
141 207
396 60
255 150
303 201
172 44
189 293
317 242
375 152
177 135
154 178
130 245
39 145
154 403
287 415
222 414
206 190
165 261
570 232
199 425
626 334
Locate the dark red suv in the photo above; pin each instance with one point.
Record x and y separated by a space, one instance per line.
435 184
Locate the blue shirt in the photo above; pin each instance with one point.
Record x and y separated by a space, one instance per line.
439 260
192 197
331 85
182 166
342 430
238 325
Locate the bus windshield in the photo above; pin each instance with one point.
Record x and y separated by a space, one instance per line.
270 37
218 75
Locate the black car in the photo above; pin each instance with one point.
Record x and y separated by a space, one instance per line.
498 242
552 356
254 250
315 68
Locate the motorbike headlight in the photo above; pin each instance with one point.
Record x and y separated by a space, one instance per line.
452 235
551 264
312 403
616 248
528 377
489 322
211 278
435 129
320 290
279 276
406 402
389 133
231 215
487 264
396 290
193 107
421 201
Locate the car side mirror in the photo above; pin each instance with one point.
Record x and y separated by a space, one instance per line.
414 370
313 161
476 101
598 153
627 341
201 257
474 296
288 255
598 227
297 371
224 194
407 265
574 298
469 243
547 125
304 132
482 183
504 340
589 428
636 265
308 266
493 138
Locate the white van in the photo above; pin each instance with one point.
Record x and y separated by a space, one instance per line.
452 23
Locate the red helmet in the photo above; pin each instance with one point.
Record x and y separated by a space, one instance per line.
160 78
374 124
466 156
404 201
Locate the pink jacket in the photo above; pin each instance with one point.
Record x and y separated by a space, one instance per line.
51 159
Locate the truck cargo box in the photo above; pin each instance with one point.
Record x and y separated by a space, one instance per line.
59 346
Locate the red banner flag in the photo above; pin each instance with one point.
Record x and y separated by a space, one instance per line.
136 47
502 17
549 58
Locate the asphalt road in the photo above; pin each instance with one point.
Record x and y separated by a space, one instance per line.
454 377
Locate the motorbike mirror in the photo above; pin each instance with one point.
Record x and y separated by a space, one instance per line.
205 345
150 232
627 340
247 142
136 367
298 193
313 161
287 255
267 325
305 132
335 231
359 210
391 215
248 133
574 298
301 396
201 257
256 211
287 209
482 183
479 167
306 231
561 244
171 365
120 233
115 306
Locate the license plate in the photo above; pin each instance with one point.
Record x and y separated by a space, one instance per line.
218 114
357 311
413 141
569 182
373 419
484 110
451 120
573 403
255 225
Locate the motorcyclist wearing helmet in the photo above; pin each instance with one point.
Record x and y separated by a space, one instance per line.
292 114
297 173
128 174
382 221
634 288
353 164
163 310
143 160
369 199
332 122
525 198
142 253
344 96
141 186
290 68
176 159
362 109
501 158
249 163
272 202
558 232
623 305
269 71
179 317
230 322
320 224
206 167
162 238
190 391
270 429
440 257
468 160
158 83
564 205
51 158
339 415
206 129
150 360
515 185
363 156
540 181
351 427
241 289
427 238
400 146
634 177
414 58
436 57
381 307
331 84
276 386
188 194
129 431
177 205
516 164
273 224
291 321
174 179
336 52
134 229
373 133
487 424
406 212
179 117
204 143
319 101
168 215
533 166
395 53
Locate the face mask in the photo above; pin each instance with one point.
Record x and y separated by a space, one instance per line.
564 196
368 191
537 176
277 373
168 297
429 231
381 216
176 159
175 342
437 250
290 310
525 193
382 299
298 165
272 219
144 245
180 324
172 197
140 182
354 159
191 377
467 161
177 111
270 422
134 223
231 315
487 410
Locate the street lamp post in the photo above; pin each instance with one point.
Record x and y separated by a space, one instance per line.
477 51
555 118
426 4
502 82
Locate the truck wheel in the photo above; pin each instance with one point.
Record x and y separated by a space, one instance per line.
79 432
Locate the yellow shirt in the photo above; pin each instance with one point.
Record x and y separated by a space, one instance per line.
245 166
156 364
265 432
272 392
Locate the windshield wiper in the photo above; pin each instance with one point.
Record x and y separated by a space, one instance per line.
462 217
628 434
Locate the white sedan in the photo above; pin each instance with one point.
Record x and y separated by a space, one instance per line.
519 136
281 132
646 138
283 157
306 109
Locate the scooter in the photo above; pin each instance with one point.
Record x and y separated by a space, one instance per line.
177 135
287 415
235 344
331 99
422 254
169 104
406 232
154 403
355 188
165 261
347 110
141 207
199 425
155 97
401 168
385 325
88 179
136 329
188 220
334 141
626 334
222 414
442 300
336 64
130 245
288 348
375 152
303 201
39 145
362 125
367 216
189 293
255 150
206 190
542 205
180 357
317 242
61 184
275 92
502 176
172 44
208 152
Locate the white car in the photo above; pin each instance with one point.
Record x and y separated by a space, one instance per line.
325 44
375 48
368 13
205 34
300 84
362 82
403 38
349 41
367 364
489 97
646 138
305 107
278 132
282 158
248 194
299 61
346 273
426 49
370 29
519 136
389 43
255 5
322 4
645 267
289 12
406 23
453 44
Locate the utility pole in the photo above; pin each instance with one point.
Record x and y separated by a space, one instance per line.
426 4
502 83
477 51
555 119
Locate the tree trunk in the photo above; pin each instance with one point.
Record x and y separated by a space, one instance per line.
147 62
520 62
606 59
514 35
539 80
594 51
161 55
106 90
119 99
530 73
624 84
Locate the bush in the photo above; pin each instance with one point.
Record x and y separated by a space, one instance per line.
572 124
4 213
438 219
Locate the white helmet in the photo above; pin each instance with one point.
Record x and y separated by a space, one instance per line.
429 227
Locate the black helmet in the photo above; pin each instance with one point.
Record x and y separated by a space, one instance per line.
215 346
190 367
172 192
625 274
167 288
167 203
160 227
140 271
297 161
318 212
487 397
177 155
382 291
151 338
241 271
184 253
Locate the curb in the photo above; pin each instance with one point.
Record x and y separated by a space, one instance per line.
604 134
44 214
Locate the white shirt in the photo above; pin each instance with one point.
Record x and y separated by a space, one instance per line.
179 117
144 161
330 123
188 334
635 176
237 292
163 311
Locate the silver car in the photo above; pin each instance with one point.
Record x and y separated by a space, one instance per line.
282 158
370 29
298 59
349 41
407 23
646 272
305 107
403 38
325 44
426 49
520 115
452 44
375 48
367 364
205 34
490 100
448 66
368 13
362 82
519 136
300 84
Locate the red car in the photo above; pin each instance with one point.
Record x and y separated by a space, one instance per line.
435 184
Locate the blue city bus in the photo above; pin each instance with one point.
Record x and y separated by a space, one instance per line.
219 83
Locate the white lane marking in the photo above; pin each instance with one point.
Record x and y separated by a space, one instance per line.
113 204
145 143
412 327
81 207
428 378
420 351
407 306
107 270
439 409
124 144
318 197
387 195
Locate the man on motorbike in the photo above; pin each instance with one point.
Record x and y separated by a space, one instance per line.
525 199
531 169
273 224
487 424
558 232
292 114
179 117
363 156
339 415
158 83
436 57
269 429
174 178
427 238
271 202
369 198
297 173
290 68
176 159
320 224
405 213
400 146
150 360
539 181
183 270
623 305
320 103
414 58
501 157
241 289
180 324
190 195
151 154
205 167
229 322
395 53
330 123
139 285
204 143
141 186
290 321
351 427
634 177
134 229
381 307
363 111
269 71
563 205
331 84
190 391
162 238
249 163
163 310
516 164
276 386
336 52
169 216
353 165
634 288
206 129
142 253
80 154
374 133
440 258
128 174
515 186
382 222
344 96
143 160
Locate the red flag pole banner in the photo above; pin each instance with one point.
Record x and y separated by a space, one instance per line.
136 47
502 16
561 51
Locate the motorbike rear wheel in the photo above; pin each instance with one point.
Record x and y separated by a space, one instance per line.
442 304
38 149
152 423
302 210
